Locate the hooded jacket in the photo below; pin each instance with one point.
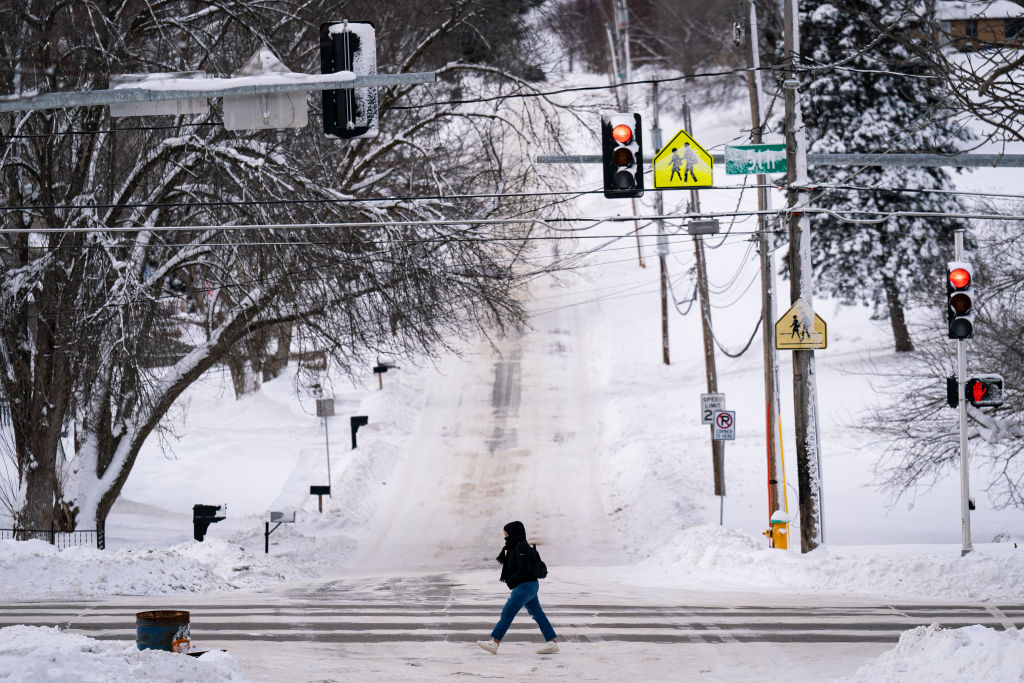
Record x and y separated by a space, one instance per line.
515 557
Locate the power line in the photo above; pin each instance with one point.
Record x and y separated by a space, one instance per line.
739 353
917 190
326 200
547 221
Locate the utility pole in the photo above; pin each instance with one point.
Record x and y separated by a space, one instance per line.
961 384
620 22
776 484
659 209
805 389
717 447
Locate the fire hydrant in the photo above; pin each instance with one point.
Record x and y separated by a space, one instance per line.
778 534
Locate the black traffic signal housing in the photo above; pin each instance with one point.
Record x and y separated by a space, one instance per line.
985 390
622 155
960 299
349 46
952 392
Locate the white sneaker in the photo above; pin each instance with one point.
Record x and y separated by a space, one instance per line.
491 646
550 648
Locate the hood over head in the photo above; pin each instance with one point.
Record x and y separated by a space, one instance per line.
516 532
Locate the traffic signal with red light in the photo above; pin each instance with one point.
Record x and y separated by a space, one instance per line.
622 155
985 390
960 300
349 46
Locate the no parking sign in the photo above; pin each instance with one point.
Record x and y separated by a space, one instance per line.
723 425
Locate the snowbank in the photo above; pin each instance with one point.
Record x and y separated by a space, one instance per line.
930 653
713 556
34 653
37 570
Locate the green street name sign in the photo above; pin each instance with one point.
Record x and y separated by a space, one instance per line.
747 159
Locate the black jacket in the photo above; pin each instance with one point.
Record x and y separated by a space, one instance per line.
516 557
517 564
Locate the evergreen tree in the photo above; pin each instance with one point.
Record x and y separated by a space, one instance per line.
868 94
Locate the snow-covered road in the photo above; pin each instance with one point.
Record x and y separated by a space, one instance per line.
505 435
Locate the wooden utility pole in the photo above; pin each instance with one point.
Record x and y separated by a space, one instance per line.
776 483
717 447
659 208
805 389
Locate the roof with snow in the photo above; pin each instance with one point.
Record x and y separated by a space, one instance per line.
978 9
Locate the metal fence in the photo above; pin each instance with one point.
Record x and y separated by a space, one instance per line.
95 538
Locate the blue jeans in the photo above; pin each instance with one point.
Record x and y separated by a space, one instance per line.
525 594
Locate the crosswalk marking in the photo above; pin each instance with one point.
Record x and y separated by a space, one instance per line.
348 622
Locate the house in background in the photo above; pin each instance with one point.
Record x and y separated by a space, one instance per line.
982 24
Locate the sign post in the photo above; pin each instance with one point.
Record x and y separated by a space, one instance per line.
723 428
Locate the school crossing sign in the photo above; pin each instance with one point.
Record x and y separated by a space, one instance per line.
683 163
800 329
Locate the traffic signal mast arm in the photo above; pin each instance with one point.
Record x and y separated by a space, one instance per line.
161 89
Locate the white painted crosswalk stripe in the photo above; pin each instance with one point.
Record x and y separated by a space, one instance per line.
320 621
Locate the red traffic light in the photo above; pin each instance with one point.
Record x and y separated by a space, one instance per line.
622 134
960 278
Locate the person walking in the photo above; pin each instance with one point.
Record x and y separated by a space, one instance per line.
519 571
691 160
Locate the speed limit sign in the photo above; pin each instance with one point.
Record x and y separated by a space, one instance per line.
723 424
709 403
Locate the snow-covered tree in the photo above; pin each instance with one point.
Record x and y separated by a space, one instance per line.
978 59
106 316
866 93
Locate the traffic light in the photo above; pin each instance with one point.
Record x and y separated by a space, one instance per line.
622 155
349 46
960 300
985 390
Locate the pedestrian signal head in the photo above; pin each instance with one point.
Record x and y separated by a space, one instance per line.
985 390
622 155
960 300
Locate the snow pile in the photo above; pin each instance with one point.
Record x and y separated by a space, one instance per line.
705 556
930 653
33 653
81 571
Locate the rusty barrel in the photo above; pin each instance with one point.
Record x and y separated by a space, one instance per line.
162 630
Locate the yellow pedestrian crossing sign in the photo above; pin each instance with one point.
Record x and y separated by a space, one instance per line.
800 329
683 163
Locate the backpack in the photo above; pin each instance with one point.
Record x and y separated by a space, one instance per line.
540 570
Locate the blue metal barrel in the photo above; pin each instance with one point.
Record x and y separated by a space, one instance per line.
162 630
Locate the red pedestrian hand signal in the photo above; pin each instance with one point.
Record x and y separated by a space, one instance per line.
979 391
